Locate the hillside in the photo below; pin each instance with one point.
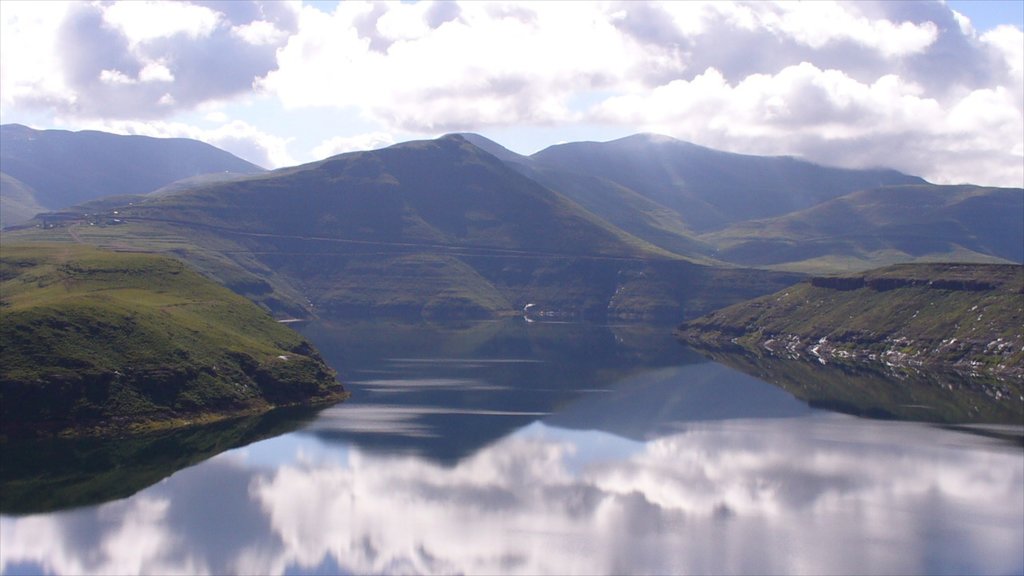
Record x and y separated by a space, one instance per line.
436 229
953 316
780 212
103 342
710 189
885 225
17 201
67 168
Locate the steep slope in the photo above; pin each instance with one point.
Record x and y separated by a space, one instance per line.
962 316
885 225
710 189
443 192
623 207
102 342
68 168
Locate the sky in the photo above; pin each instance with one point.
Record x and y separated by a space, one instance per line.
930 88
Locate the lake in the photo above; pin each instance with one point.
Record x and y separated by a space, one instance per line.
528 448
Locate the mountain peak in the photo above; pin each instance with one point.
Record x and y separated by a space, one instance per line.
491 147
650 137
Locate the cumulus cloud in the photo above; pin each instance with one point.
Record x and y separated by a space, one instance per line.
140 60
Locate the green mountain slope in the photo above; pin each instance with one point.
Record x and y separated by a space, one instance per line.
68 168
102 341
959 316
885 225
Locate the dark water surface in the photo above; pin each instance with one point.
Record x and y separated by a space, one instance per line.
515 448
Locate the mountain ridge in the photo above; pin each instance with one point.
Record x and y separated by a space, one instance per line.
66 168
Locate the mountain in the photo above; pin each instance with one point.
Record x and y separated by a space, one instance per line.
710 189
68 168
443 192
641 227
98 342
714 206
17 201
966 317
885 225
436 228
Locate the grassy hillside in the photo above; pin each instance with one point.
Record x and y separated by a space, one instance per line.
959 316
96 341
880 226
710 189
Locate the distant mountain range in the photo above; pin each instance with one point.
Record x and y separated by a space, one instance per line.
642 227
776 211
56 169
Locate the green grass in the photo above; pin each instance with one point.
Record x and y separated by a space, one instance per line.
103 341
956 315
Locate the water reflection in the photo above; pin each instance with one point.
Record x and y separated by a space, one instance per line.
884 391
445 391
825 494
56 473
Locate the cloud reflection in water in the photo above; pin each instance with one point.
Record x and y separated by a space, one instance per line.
826 494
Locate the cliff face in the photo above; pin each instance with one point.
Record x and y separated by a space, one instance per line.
964 317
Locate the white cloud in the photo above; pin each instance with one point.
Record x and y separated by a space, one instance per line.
965 24
342 144
816 24
155 72
149 20
29 30
260 33
481 69
115 77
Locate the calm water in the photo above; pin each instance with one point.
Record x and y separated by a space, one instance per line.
520 448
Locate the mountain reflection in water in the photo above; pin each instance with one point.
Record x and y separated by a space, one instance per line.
643 459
